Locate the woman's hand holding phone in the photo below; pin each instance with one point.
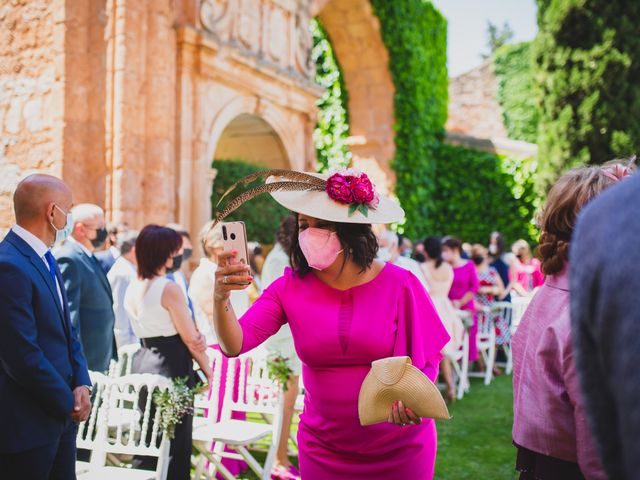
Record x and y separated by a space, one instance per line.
230 276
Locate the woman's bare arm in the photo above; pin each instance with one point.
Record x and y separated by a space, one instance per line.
173 300
228 278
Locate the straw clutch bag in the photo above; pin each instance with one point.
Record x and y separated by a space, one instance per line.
395 378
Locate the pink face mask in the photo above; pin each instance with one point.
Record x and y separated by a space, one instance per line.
320 247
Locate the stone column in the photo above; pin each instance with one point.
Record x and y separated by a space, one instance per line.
141 111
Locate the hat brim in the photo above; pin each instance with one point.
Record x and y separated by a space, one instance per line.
319 205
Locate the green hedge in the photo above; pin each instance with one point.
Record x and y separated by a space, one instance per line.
415 35
332 129
479 192
514 74
261 215
588 75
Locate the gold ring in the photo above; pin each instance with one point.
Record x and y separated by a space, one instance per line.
225 279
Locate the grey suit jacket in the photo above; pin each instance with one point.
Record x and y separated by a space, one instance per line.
90 304
605 311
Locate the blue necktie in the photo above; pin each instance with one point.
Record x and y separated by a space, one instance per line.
52 266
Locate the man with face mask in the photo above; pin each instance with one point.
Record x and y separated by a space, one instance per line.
88 289
389 251
181 265
44 382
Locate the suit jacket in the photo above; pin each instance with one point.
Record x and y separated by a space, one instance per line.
605 314
106 260
41 359
90 304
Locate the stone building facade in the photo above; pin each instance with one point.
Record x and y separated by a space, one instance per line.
131 102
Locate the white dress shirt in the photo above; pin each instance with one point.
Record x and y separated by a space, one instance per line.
120 276
39 247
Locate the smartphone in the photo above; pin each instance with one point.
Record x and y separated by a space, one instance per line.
234 237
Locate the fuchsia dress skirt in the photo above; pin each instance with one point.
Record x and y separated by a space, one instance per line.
337 334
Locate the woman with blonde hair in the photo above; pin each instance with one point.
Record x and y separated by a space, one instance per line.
550 428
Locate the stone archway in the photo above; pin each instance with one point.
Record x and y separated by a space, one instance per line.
354 32
248 137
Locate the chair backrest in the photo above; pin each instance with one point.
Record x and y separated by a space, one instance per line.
503 310
485 321
207 403
140 434
255 391
125 360
519 305
92 432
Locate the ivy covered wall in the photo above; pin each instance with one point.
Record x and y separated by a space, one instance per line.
514 74
415 34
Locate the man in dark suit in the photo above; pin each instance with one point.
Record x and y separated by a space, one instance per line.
605 316
88 290
44 382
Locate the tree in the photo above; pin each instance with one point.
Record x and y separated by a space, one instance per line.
497 37
588 82
332 129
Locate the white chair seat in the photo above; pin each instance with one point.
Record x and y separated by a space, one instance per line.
111 473
82 467
231 432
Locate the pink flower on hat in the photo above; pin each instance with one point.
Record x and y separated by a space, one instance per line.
362 189
354 188
339 188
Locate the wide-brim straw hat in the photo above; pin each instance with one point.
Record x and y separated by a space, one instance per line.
330 197
395 378
319 205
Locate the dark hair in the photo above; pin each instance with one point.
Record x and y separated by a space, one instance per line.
501 244
286 231
453 243
433 248
127 241
180 230
358 240
154 246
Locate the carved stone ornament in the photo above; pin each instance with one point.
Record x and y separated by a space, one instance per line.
217 16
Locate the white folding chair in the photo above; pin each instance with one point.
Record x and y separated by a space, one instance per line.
92 431
205 406
519 306
256 393
504 311
125 360
486 342
460 361
142 436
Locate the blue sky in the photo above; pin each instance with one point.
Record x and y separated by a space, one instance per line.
467 27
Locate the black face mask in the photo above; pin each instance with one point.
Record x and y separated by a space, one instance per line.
177 263
101 236
478 259
186 254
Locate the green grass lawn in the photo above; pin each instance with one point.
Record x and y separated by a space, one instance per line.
476 442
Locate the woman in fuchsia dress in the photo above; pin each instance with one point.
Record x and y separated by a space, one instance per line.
464 287
345 310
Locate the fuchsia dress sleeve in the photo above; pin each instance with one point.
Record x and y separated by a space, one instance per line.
265 317
337 334
421 335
